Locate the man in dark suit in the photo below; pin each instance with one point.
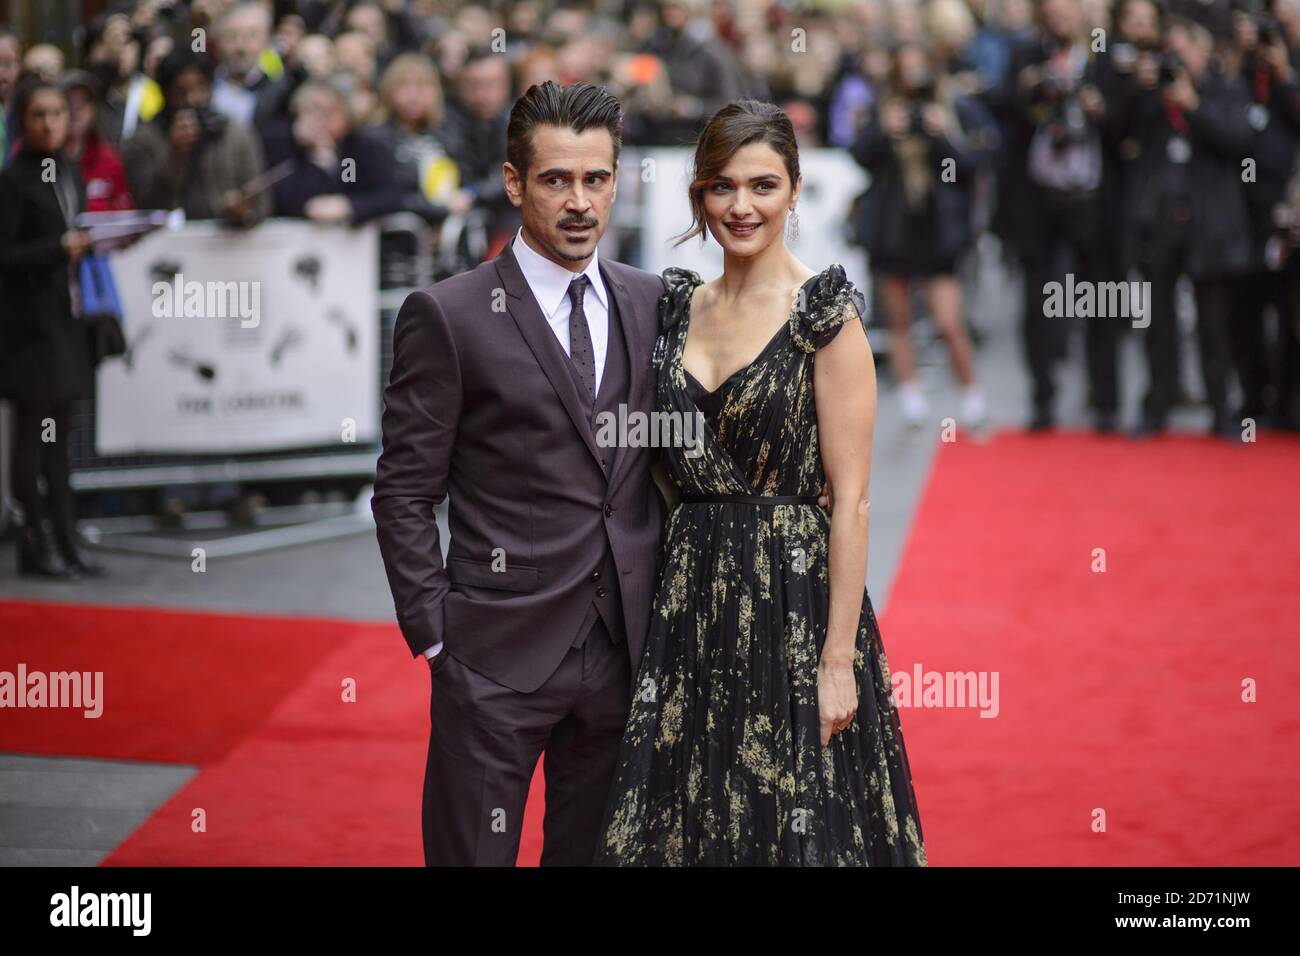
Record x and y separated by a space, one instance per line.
534 624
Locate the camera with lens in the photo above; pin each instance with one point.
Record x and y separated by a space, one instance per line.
920 92
1270 31
211 123
1170 66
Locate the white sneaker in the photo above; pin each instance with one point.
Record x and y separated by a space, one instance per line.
915 408
974 411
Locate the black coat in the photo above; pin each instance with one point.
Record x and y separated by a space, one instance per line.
373 192
887 207
44 350
1219 134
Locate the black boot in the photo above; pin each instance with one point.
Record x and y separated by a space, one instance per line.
38 554
69 545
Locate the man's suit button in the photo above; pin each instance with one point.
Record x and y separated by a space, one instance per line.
595 575
609 511
601 592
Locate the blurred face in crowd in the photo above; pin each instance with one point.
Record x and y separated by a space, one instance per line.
1014 14
1061 18
1288 14
81 111
746 204
1193 47
675 16
524 18
117 31
1139 23
289 31
316 53
322 116
45 124
244 33
565 196
159 47
537 67
9 66
368 19
906 21
914 71
356 54
484 86
415 98
45 61
190 90
476 24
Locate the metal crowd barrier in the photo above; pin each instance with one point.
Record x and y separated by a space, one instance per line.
422 263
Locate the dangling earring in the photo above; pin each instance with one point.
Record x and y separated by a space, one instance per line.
792 226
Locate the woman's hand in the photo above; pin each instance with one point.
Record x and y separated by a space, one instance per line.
329 210
837 694
76 243
934 118
236 206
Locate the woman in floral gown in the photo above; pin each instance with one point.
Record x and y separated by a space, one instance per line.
763 730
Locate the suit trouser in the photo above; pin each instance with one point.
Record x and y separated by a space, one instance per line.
1067 242
483 747
35 459
1251 348
1213 313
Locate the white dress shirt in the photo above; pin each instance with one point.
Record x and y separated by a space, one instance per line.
549 284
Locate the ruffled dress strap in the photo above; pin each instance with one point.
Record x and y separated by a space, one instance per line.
673 304
817 319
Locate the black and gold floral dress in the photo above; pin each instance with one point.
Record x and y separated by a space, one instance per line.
721 762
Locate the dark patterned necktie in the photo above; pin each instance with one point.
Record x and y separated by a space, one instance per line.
580 350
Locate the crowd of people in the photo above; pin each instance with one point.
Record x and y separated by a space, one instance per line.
1135 140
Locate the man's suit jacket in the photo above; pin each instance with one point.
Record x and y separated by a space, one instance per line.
481 405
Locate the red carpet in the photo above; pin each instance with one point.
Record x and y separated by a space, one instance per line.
291 774
1118 691
1121 691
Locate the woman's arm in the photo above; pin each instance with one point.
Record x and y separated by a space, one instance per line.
21 253
667 488
844 387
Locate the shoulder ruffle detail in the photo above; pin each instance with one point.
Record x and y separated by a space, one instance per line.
676 299
828 296
673 303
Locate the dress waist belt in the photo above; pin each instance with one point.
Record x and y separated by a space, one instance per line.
692 499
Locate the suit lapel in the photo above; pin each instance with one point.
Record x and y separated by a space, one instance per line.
523 309
627 321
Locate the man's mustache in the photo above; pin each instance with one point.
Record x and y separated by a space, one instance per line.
577 221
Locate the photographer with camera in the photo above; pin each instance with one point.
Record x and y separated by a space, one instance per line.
1265 55
923 145
1187 133
1057 114
192 157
